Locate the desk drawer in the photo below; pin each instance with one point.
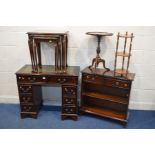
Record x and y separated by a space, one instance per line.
26 98
69 90
47 79
26 78
63 80
69 110
29 108
25 88
69 101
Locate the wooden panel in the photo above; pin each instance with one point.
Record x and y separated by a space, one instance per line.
104 104
109 74
46 79
108 97
25 88
104 112
114 91
69 101
69 110
93 79
24 98
117 83
29 108
69 90
112 82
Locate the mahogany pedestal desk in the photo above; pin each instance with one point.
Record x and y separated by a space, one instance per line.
30 94
106 94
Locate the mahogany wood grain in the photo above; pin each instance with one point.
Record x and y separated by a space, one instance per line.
30 93
106 94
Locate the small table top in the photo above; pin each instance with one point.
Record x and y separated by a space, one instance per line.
99 33
49 70
105 73
48 32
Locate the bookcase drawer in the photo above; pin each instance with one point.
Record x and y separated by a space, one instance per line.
93 79
117 83
112 82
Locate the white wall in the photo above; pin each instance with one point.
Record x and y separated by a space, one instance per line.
14 53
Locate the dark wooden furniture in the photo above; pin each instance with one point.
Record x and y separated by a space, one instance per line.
97 60
104 94
58 40
30 94
125 53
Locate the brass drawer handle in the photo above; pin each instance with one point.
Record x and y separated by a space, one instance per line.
26 99
21 78
125 85
69 101
44 78
62 80
31 79
93 78
90 77
25 89
117 83
27 108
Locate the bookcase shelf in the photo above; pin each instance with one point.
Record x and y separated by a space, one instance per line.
105 113
108 97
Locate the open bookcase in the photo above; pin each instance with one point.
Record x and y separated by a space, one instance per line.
105 94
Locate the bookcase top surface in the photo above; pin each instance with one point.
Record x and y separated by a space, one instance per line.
104 73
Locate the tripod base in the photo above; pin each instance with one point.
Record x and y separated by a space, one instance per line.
96 61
